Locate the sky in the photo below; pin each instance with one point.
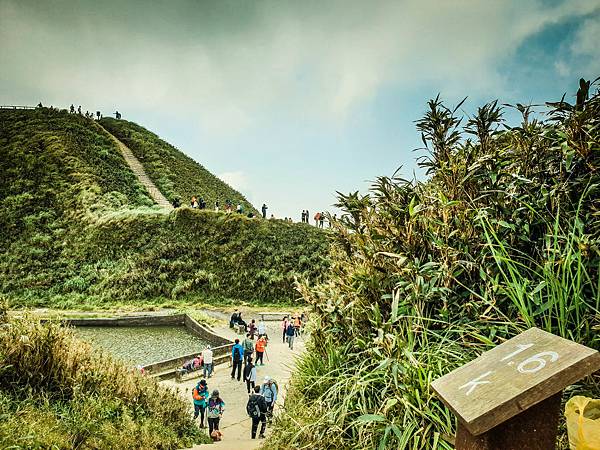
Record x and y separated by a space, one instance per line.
291 101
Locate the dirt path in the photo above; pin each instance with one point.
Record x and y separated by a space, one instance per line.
235 423
139 172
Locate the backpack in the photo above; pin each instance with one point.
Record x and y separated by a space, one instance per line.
247 371
237 354
252 407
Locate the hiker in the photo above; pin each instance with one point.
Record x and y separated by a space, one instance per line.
98 114
239 209
252 328
217 206
79 110
262 328
317 218
297 325
117 115
200 396
237 352
257 409
264 211
272 217
250 375
194 202
192 364
72 109
307 216
202 203
234 318
248 348
260 349
284 325
269 390
176 203
321 219
290 333
216 407
40 105
207 357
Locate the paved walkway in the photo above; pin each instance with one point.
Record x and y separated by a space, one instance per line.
235 423
140 173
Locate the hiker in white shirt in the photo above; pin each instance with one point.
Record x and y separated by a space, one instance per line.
207 355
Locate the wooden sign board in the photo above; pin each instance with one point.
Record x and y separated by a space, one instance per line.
512 377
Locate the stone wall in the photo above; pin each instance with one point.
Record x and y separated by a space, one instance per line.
131 321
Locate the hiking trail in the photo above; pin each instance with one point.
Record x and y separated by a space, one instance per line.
136 166
236 424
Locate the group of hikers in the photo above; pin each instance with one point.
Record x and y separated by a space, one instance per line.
246 356
320 218
87 114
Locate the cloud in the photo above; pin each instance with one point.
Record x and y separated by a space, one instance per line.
231 68
236 179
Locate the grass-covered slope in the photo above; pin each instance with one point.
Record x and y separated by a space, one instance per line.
425 276
173 172
57 392
77 229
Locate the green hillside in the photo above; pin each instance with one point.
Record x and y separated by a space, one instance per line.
77 229
173 172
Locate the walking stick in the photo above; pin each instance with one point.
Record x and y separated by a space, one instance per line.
267 355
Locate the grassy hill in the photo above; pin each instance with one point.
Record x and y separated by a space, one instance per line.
77 229
173 172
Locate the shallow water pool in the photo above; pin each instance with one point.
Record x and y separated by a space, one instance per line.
143 345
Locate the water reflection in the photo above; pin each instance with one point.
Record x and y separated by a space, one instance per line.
143 345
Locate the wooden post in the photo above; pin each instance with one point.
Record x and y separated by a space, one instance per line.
509 397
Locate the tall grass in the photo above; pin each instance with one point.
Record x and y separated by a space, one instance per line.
425 276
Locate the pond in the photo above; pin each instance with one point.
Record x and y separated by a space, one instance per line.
143 345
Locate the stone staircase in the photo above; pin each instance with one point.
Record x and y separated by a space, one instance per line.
139 172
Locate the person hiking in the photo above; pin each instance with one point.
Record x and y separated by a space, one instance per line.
215 409
257 410
250 375
297 324
261 345
98 115
252 328
264 210
269 391
217 206
317 218
176 203
200 396
321 219
72 109
79 110
202 203
207 356
290 333
194 202
284 325
262 328
237 354
248 345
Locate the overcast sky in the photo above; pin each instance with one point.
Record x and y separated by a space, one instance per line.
292 101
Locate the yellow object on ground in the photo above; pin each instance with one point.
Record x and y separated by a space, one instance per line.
583 423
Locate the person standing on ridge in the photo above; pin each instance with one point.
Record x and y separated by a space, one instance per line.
264 211
72 109
200 396
321 219
207 357
216 408
257 410
98 115
79 110
248 348
237 353
250 375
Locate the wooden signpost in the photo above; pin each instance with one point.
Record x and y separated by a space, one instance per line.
509 397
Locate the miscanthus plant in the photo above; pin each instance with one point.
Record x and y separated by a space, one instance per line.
503 235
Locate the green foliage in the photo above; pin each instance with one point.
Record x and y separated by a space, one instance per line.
77 230
58 392
426 275
174 173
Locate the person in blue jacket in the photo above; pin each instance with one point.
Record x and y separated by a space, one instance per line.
237 356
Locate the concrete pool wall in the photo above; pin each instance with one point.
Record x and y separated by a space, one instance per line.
164 369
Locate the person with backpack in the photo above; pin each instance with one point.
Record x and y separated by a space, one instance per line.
262 328
257 410
290 332
215 409
248 348
250 375
261 345
269 391
237 354
284 324
200 396
252 328
264 210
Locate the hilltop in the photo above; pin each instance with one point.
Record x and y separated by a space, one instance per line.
78 229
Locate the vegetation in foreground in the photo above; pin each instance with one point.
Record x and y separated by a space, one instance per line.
58 392
425 276
173 172
77 230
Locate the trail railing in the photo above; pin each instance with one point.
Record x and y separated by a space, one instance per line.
16 107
